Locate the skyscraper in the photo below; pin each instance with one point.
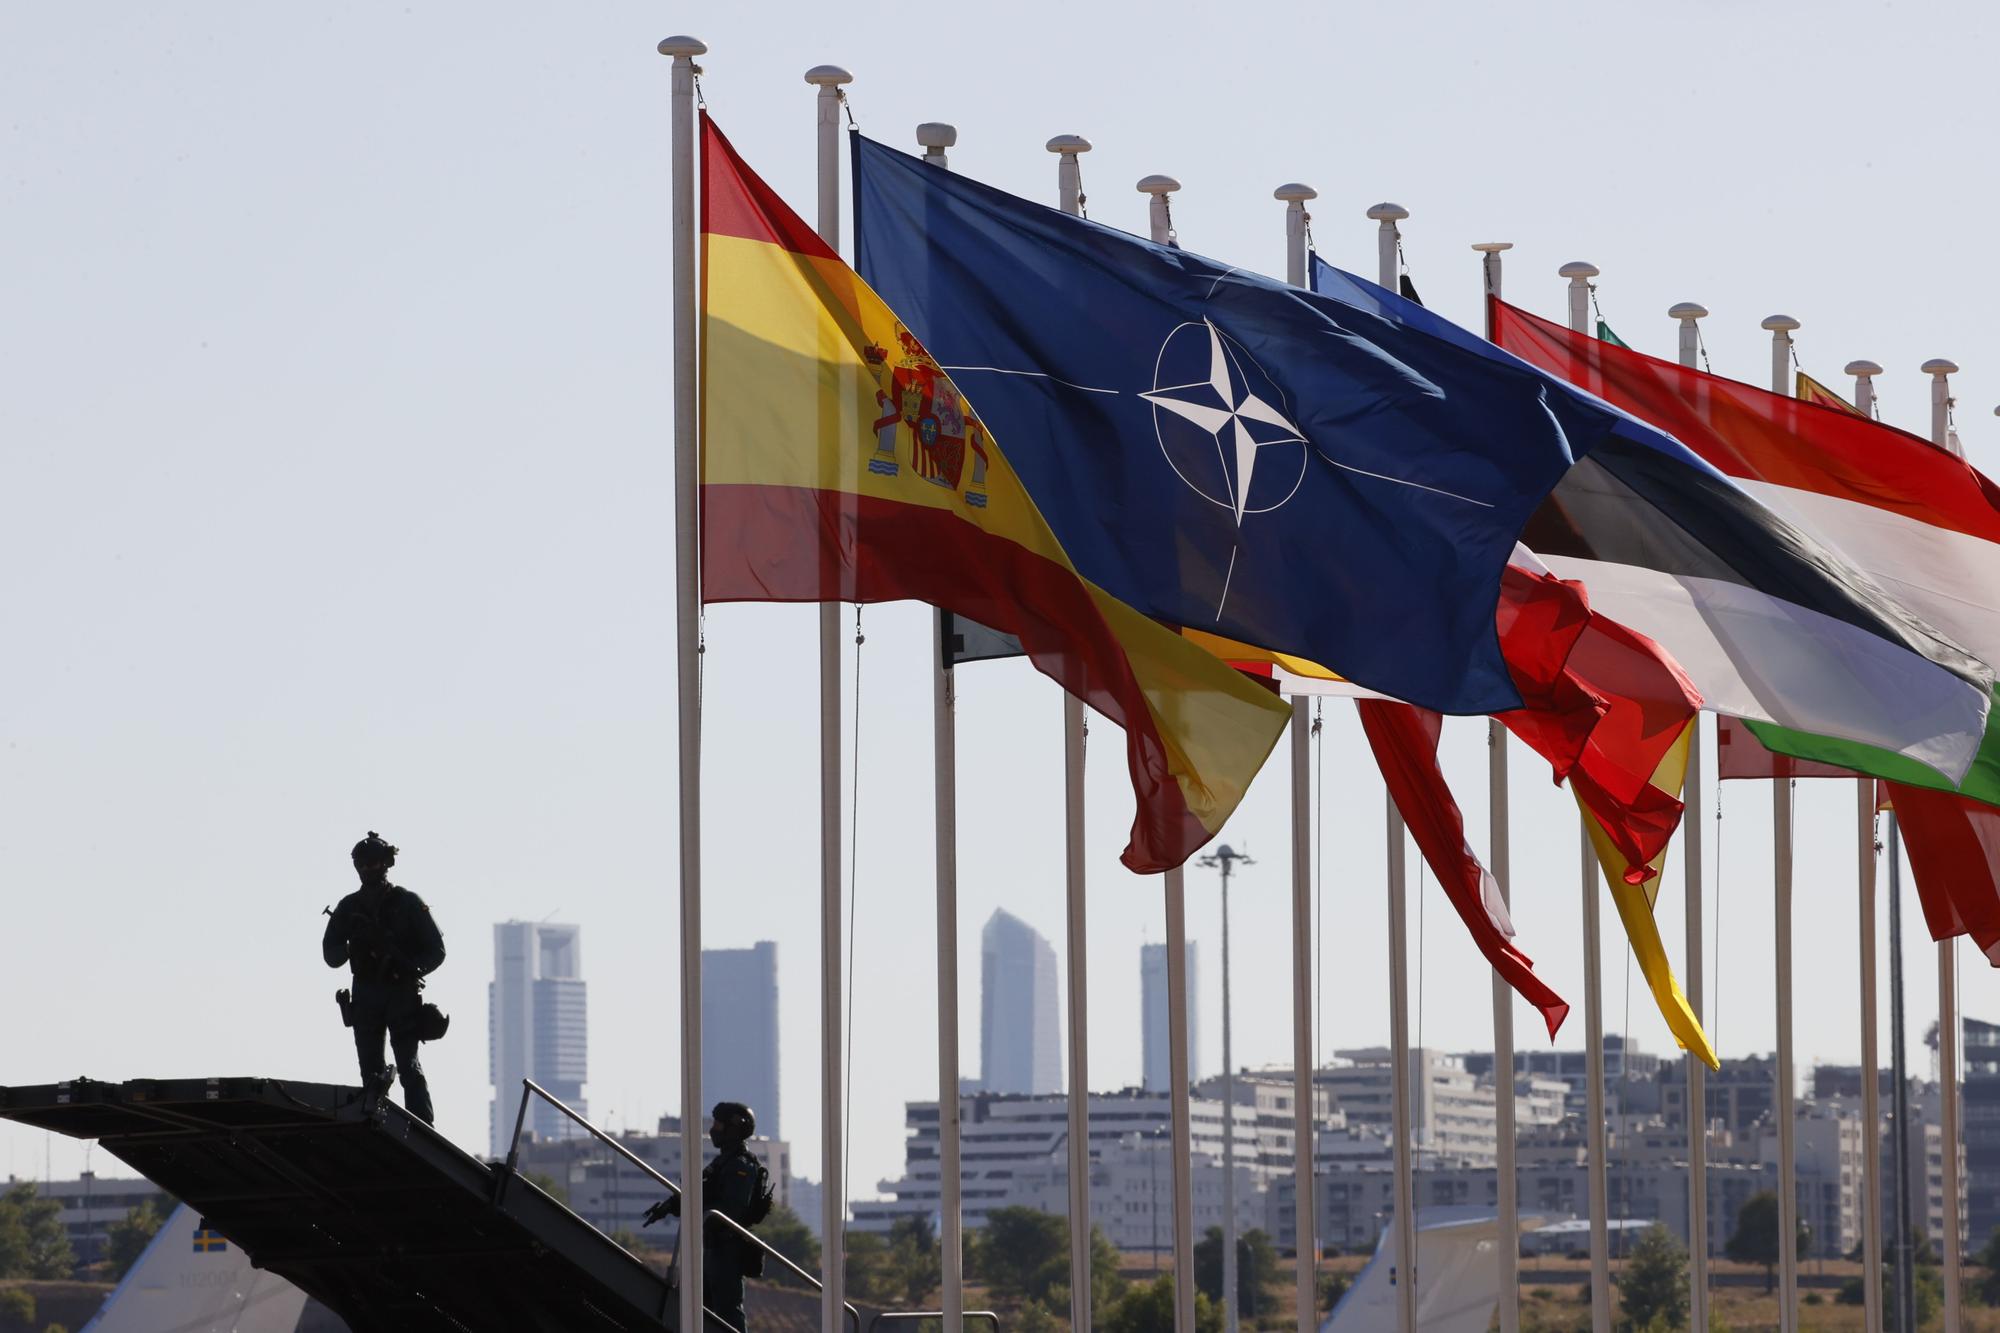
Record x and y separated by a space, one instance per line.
739 1030
535 1026
1153 1017
1019 1046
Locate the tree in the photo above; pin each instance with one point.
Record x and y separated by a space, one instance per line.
17 1304
32 1240
1149 1307
1755 1240
787 1233
870 1280
1022 1249
1332 1286
913 1260
1654 1284
1036 1318
130 1235
1023 1256
1256 1271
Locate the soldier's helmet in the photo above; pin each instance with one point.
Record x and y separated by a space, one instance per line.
372 851
732 1122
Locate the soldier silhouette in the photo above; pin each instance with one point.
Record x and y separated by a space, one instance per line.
386 935
737 1186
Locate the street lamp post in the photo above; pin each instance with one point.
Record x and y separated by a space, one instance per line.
1226 858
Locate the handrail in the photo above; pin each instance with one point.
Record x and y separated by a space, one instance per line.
531 1088
913 1316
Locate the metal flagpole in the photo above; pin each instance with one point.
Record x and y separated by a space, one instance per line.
1506 1180
687 635
833 1202
1160 219
1906 1295
1387 239
1871 1080
1579 275
1687 312
1781 327
1951 1244
1305 1218
1069 195
934 138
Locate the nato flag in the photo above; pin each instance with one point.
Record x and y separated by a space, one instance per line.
1222 451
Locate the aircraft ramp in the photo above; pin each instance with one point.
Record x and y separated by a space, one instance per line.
364 1207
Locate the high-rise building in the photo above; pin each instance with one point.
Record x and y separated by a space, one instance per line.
739 1030
1019 1049
535 1023
1157 1074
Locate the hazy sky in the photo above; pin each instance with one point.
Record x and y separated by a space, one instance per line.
335 495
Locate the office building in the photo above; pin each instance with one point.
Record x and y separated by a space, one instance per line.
739 1030
1014 1152
1157 1076
1020 1049
535 1027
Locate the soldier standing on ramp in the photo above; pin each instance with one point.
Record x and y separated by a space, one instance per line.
737 1186
385 933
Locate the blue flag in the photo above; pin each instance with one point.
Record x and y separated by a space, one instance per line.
1225 452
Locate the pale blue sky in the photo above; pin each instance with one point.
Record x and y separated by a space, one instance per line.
334 490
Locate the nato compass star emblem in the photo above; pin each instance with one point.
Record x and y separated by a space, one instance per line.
1223 427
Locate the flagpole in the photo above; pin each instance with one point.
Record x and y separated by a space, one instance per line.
934 139
1871 1078
1305 1218
1159 216
1688 312
1387 239
1781 327
687 636
1506 1179
833 1199
1069 195
1906 1296
1579 276
1940 371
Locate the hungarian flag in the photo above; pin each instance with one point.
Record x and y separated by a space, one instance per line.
1848 681
840 462
1405 739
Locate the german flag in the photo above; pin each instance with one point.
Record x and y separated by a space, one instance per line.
840 463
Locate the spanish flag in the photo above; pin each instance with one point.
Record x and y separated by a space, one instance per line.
839 462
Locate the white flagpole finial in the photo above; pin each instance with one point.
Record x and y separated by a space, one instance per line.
934 136
683 46
1492 247
1939 366
1157 185
1861 369
828 76
1779 323
1293 192
1069 143
1686 311
1388 213
1576 270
